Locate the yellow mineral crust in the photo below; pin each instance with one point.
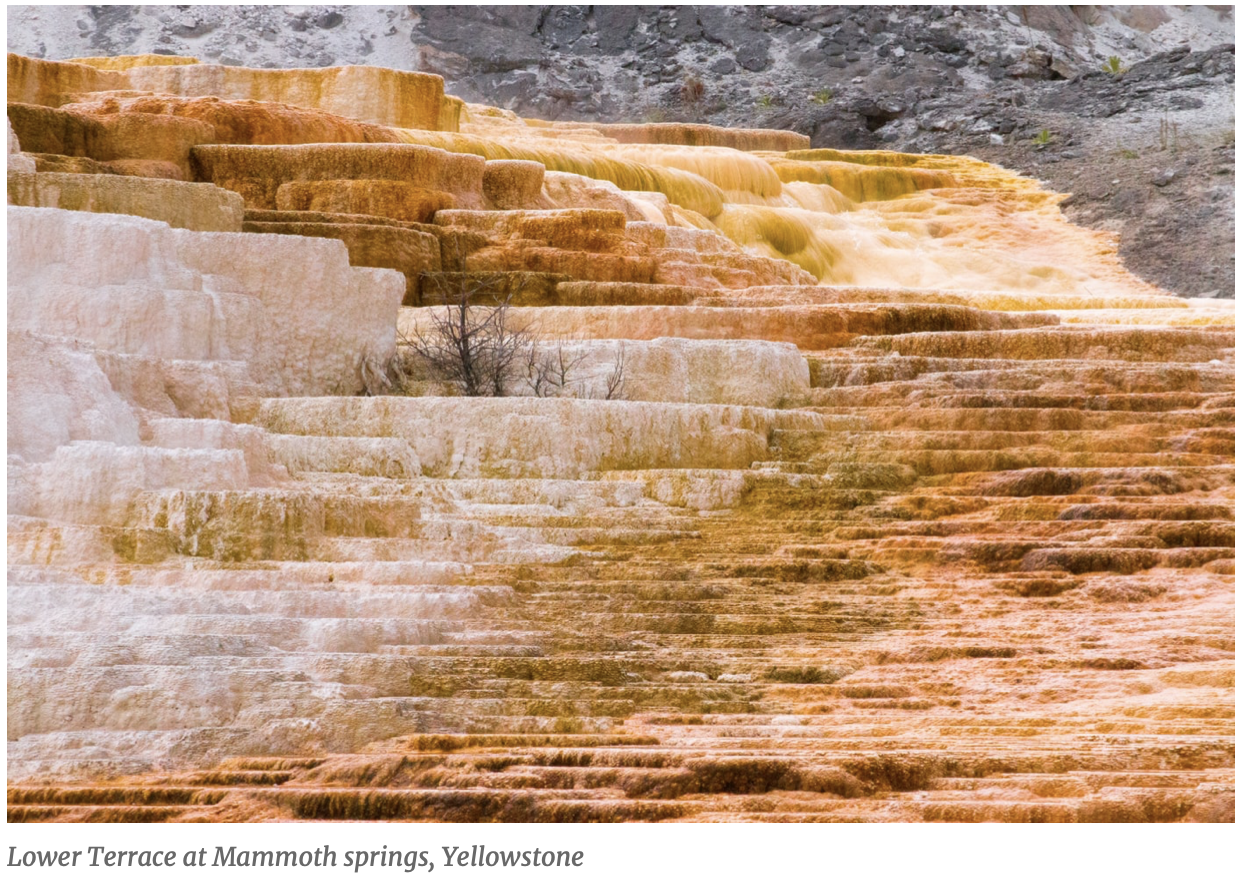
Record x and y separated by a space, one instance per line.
37 82
685 189
863 183
192 205
698 135
124 63
742 177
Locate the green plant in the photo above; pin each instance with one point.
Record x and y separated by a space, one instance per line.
1043 138
823 96
1113 66
765 102
1129 154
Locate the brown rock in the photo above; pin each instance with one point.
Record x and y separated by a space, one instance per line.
513 184
371 246
371 197
198 207
257 172
109 137
242 122
152 169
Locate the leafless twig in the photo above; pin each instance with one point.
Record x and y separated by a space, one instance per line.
615 380
471 341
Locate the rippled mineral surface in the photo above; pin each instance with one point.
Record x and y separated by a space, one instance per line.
878 492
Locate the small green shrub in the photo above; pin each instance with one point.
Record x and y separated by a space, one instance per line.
823 96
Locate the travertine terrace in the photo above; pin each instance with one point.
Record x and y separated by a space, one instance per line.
916 506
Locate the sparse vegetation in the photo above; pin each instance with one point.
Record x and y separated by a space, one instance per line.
549 370
823 96
613 383
472 344
1114 66
765 102
554 372
1043 138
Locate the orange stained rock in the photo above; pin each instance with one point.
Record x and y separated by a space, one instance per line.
401 201
120 136
125 62
242 122
410 252
513 184
38 82
153 169
257 172
811 328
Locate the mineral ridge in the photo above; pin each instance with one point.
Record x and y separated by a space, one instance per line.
874 489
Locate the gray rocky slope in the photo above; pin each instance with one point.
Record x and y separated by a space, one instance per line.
1146 150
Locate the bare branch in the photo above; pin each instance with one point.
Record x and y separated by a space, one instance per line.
615 380
471 342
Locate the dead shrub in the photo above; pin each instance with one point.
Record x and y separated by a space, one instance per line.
473 345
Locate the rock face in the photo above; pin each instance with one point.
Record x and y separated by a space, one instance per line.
198 207
210 297
828 485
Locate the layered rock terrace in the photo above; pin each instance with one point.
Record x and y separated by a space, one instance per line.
914 504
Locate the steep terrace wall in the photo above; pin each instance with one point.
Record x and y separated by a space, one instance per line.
291 308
